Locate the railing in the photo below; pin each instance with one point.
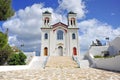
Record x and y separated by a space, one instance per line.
75 58
45 61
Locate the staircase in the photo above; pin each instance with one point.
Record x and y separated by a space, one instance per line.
36 62
84 64
61 62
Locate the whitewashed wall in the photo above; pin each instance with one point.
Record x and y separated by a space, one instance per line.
29 55
116 45
96 50
108 63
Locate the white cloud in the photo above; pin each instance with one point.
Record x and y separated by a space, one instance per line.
92 29
76 6
24 26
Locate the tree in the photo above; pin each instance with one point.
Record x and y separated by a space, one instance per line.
5 49
3 40
17 59
5 53
5 9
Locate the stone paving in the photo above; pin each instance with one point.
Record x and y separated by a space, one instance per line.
55 70
61 62
60 74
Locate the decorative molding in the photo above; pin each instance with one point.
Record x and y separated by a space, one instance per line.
60 24
60 44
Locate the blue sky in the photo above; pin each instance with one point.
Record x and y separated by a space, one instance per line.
104 10
96 19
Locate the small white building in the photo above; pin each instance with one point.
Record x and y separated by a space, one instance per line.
114 48
59 39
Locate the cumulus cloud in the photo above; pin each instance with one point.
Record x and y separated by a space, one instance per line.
92 29
24 26
76 6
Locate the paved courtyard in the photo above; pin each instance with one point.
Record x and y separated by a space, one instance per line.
60 74
60 68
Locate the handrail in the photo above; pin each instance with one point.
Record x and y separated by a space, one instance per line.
45 62
75 58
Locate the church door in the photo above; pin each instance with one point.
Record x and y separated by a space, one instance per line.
45 51
74 51
60 50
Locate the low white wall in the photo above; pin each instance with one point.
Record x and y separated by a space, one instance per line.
96 50
35 63
116 45
10 68
108 63
29 55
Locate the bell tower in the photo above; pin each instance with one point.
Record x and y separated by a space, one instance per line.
72 20
46 19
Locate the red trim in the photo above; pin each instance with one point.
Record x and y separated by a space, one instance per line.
46 17
54 30
74 51
65 30
60 24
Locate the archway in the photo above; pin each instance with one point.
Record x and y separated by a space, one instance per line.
45 51
74 51
60 50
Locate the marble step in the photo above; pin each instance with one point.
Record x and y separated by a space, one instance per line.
61 62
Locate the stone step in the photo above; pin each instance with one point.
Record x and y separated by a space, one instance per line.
84 64
61 62
36 62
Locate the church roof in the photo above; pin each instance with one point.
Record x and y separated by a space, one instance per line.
60 24
71 12
46 12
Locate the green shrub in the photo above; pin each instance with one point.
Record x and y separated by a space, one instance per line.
5 53
17 59
98 56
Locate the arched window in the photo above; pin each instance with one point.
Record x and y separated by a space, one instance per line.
46 36
59 35
73 36
72 21
46 21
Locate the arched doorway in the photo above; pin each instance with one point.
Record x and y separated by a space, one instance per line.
60 51
74 51
45 51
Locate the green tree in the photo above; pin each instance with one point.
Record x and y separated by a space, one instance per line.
17 59
5 53
3 40
6 10
5 49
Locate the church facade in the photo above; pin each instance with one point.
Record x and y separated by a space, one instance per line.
59 39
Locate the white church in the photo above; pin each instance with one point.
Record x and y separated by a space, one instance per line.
59 39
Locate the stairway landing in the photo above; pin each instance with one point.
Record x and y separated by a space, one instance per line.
61 62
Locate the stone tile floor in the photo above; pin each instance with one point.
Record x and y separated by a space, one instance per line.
60 74
62 68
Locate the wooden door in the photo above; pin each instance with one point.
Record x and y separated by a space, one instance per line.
74 51
45 51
